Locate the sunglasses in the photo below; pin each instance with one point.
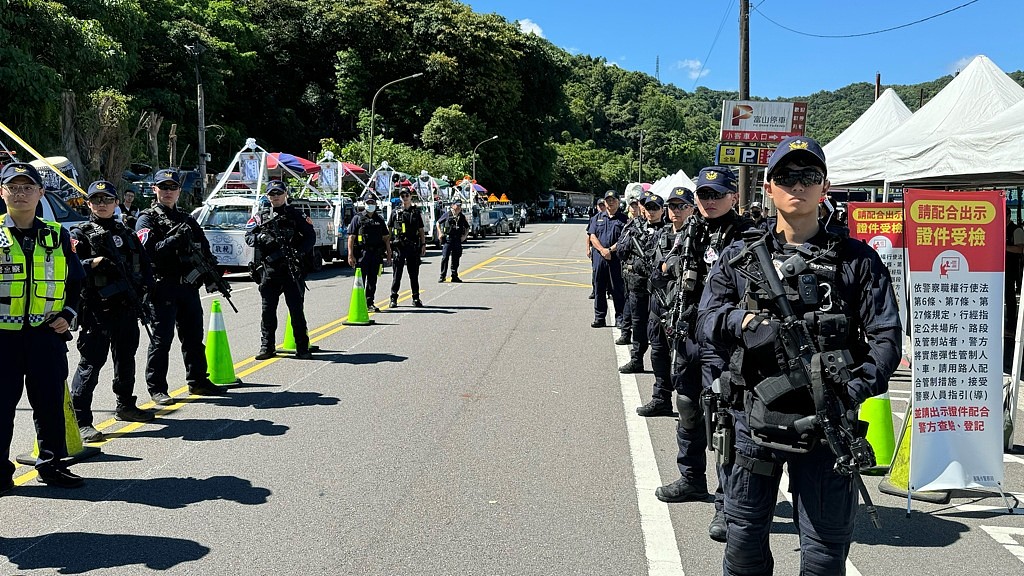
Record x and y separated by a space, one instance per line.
102 200
168 186
652 207
709 194
677 206
275 193
807 177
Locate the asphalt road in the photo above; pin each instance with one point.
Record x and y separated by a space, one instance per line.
488 433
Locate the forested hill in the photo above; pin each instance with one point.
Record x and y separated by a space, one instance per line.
104 82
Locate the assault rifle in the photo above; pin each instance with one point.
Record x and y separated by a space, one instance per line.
819 372
292 260
202 268
678 324
133 292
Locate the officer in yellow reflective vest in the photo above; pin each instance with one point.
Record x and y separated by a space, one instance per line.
40 285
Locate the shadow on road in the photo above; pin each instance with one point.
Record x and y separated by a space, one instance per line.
169 493
360 359
200 429
264 400
81 552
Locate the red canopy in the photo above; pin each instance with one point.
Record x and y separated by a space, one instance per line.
296 163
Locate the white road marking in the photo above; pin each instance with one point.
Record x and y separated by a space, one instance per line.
1005 536
660 546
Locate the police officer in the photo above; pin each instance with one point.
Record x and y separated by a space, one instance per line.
117 276
452 229
604 237
40 278
662 288
848 292
169 236
637 253
369 245
410 245
715 226
282 237
636 219
595 211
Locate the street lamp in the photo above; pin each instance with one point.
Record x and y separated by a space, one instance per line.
373 108
195 50
640 167
495 137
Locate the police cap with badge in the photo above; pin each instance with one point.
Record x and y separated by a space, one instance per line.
805 151
166 175
16 169
715 182
680 194
101 189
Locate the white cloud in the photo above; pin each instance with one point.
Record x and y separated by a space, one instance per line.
530 27
693 68
960 64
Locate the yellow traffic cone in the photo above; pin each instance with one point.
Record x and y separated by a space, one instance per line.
72 437
877 412
218 351
358 315
897 481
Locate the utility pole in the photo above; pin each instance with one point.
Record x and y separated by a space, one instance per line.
744 179
195 50
640 167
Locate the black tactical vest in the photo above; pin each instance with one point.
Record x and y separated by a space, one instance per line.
117 244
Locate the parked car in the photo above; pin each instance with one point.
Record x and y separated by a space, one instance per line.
480 223
499 223
515 221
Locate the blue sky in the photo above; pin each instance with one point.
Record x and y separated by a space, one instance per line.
633 33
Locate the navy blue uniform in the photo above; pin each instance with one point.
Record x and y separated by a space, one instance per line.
700 365
175 299
283 238
453 230
36 360
636 248
608 273
108 322
853 281
369 230
405 228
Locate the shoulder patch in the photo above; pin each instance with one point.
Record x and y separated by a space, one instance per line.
143 235
74 244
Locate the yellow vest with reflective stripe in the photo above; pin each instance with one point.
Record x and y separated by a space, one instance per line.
31 292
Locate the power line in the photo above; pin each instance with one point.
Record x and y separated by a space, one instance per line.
728 10
863 33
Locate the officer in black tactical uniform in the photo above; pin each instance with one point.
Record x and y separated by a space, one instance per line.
368 245
282 237
169 236
117 276
410 245
715 226
636 248
452 229
664 360
637 218
831 294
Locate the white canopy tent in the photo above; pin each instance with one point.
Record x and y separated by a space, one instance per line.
665 185
980 92
885 115
986 155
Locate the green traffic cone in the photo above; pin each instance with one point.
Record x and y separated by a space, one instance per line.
358 315
218 351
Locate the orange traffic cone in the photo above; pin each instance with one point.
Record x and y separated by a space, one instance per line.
358 314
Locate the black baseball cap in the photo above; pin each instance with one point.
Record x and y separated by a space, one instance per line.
798 146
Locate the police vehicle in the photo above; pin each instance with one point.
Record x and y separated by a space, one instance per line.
224 221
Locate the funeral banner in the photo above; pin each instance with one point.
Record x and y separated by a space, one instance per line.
880 224
955 244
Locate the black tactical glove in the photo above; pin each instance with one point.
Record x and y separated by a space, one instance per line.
765 332
267 241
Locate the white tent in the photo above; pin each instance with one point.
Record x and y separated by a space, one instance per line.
885 115
987 154
664 186
980 92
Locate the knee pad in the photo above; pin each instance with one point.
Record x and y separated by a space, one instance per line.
691 414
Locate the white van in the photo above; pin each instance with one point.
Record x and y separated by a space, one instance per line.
224 221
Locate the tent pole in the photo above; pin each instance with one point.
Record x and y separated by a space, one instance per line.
1018 351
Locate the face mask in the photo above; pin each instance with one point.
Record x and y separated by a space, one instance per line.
371 208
